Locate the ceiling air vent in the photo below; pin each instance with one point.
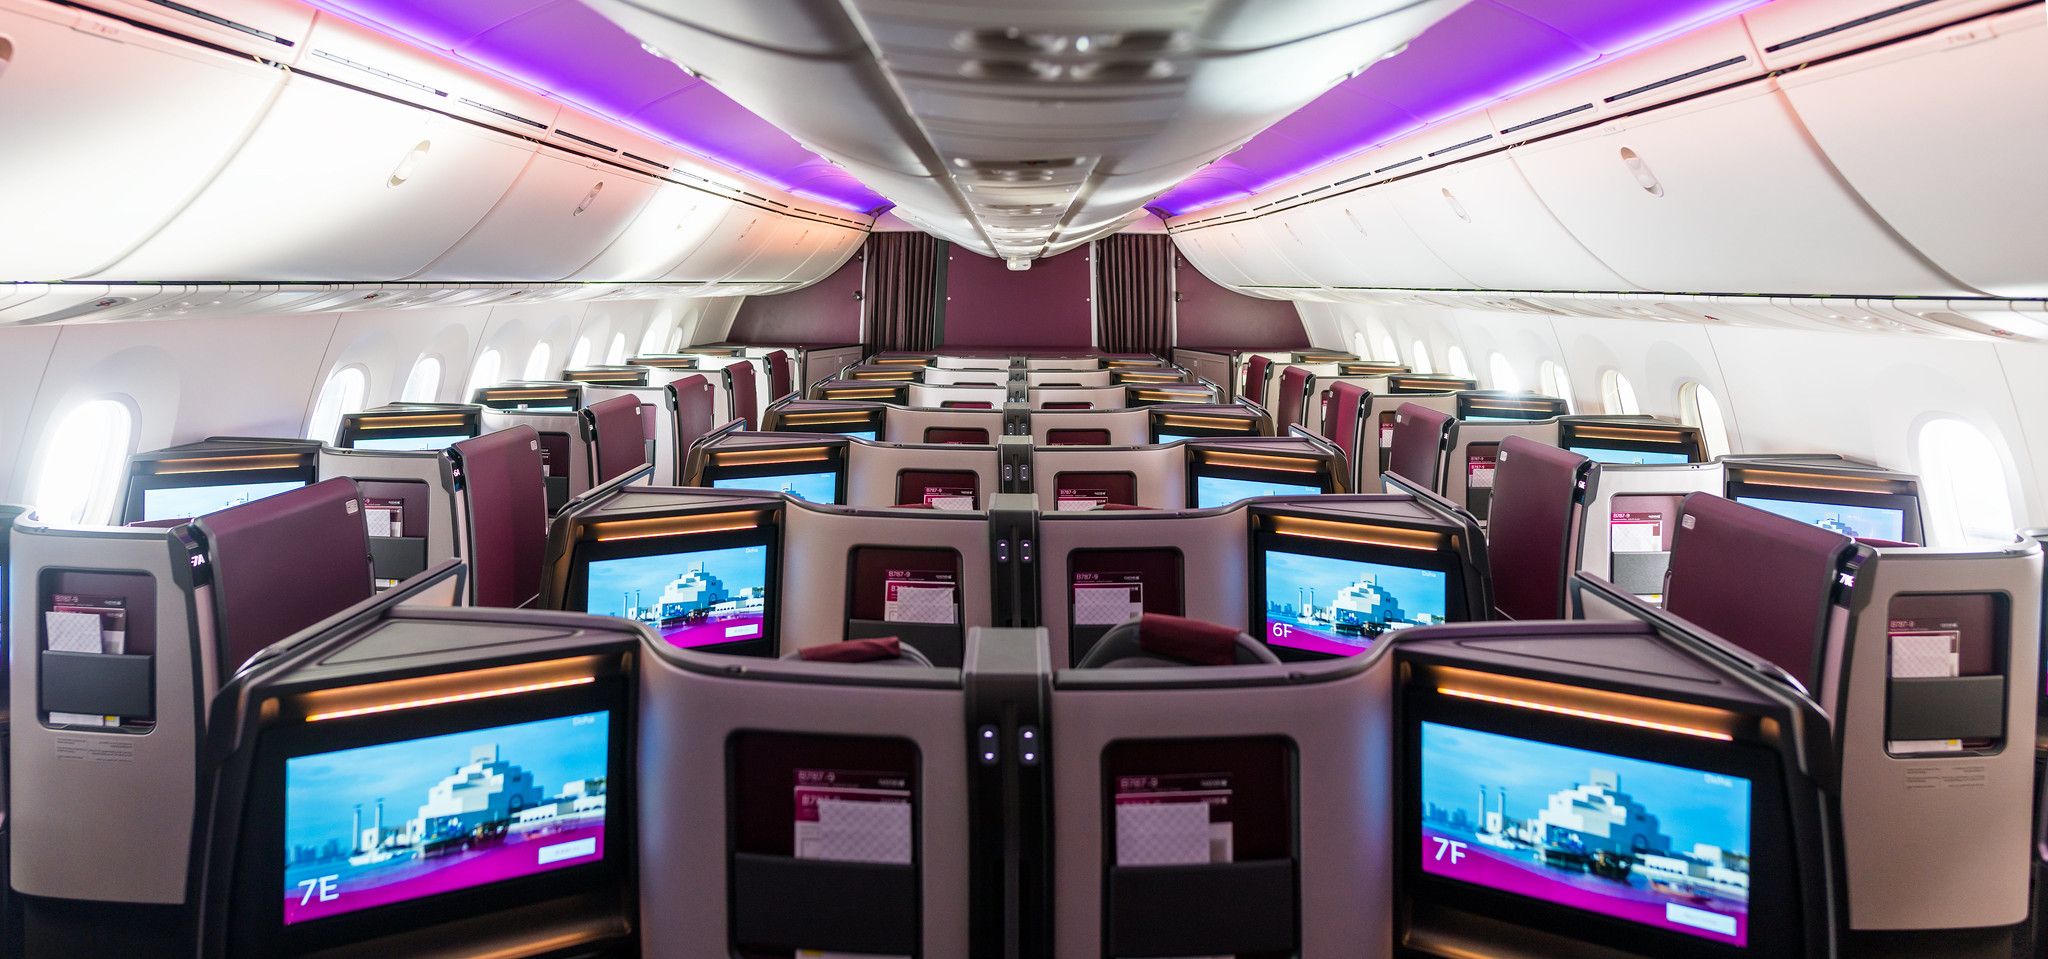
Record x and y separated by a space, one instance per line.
1016 171
1680 78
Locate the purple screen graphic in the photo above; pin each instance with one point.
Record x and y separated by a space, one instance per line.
1342 606
699 598
394 822
1661 845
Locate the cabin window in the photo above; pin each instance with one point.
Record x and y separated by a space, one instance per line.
1699 407
1459 365
1556 382
579 355
616 353
657 337
485 373
1419 360
1358 347
537 362
1618 394
1384 349
1964 481
1504 375
83 462
342 394
423 384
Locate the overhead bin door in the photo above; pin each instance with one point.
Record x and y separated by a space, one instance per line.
738 236
1945 136
109 129
336 185
673 224
562 212
1358 240
1211 251
1481 218
1721 194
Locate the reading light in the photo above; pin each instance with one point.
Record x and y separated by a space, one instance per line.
1584 714
451 698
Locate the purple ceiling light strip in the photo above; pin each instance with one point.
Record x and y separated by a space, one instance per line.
572 53
1483 53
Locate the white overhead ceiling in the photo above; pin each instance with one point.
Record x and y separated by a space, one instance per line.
1021 129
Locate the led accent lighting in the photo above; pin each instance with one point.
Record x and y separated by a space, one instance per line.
1554 709
451 698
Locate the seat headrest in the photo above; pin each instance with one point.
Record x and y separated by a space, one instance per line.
1157 639
881 649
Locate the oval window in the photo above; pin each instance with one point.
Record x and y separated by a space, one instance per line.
1618 394
484 373
1504 375
1699 407
423 384
1962 475
537 362
342 394
1460 366
82 463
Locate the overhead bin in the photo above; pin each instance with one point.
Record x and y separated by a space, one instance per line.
673 223
1264 247
1658 196
562 212
1215 252
741 228
1908 126
1482 219
163 115
1356 239
341 184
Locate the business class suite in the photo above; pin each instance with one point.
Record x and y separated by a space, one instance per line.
915 478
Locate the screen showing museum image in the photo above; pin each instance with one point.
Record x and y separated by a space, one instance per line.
395 822
689 598
1342 606
1666 846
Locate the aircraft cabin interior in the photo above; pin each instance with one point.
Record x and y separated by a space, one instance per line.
1023 479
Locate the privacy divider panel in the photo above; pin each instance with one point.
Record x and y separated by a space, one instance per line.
1045 307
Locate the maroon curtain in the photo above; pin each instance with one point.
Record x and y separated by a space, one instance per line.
1134 280
902 292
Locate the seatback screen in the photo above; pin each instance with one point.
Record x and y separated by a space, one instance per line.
182 502
1212 491
1603 454
1338 606
689 598
820 487
399 821
1865 522
403 443
1661 845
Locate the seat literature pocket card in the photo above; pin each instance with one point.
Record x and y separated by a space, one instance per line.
852 816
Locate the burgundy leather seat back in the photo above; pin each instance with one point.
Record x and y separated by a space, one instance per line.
745 405
1344 409
781 379
690 397
1421 435
1256 368
507 501
285 562
1293 397
1756 579
1529 531
617 437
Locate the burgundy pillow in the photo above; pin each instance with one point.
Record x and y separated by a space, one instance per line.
853 651
1188 640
